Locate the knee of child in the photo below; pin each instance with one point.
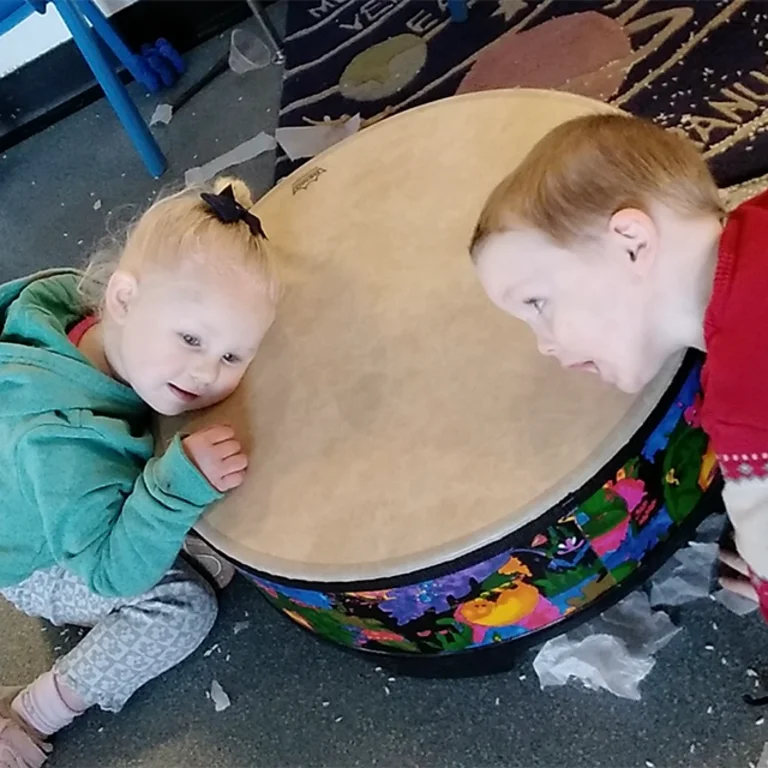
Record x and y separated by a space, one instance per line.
203 605
195 606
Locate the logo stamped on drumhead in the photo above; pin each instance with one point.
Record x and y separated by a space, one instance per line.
308 178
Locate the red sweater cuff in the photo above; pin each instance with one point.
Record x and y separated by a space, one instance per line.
743 466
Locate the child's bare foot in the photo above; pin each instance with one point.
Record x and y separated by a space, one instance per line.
220 570
20 745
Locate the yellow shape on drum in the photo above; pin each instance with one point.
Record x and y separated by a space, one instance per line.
298 619
515 565
708 469
511 606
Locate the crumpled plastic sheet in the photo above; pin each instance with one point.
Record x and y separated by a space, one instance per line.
613 652
737 604
711 528
690 573
691 577
598 661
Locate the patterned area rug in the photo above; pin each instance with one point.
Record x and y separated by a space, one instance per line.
693 65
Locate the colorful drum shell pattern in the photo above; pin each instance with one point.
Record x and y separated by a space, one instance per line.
546 572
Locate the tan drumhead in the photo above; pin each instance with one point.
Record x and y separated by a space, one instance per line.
396 418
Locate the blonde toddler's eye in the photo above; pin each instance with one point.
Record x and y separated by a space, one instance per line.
232 359
190 340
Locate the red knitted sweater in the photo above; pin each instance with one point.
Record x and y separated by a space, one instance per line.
735 377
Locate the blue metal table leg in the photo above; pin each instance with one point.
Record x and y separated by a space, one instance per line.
114 90
133 63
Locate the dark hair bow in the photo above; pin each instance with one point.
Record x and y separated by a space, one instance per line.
228 210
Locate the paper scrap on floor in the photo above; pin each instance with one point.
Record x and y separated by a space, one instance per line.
219 696
241 153
162 114
613 652
311 140
240 626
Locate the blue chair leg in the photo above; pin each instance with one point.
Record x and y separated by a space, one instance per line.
114 90
458 9
7 23
133 63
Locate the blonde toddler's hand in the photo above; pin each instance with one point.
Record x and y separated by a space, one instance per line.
218 456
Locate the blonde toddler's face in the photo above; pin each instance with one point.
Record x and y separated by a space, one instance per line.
187 338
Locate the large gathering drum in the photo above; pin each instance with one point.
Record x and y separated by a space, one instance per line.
423 482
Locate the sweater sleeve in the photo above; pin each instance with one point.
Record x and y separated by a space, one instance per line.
746 502
747 507
742 452
735 379
117 531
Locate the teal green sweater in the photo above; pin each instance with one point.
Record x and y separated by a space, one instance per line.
79 486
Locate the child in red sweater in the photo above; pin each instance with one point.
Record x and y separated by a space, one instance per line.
610 241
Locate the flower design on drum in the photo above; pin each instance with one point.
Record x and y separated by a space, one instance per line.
569 545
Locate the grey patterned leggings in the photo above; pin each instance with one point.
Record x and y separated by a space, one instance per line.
133 640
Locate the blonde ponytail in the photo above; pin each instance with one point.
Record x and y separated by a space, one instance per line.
182 227
242 191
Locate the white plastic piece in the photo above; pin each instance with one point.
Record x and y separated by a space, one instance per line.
737 604
598 661
310 140
691 576
239 154
614 652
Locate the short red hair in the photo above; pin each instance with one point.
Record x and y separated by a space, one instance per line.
587 169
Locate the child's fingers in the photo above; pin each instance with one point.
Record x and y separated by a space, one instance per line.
740 587
732 560
226 449
233 465
228 482
219 433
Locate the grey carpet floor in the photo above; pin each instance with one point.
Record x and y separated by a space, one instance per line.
296 702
